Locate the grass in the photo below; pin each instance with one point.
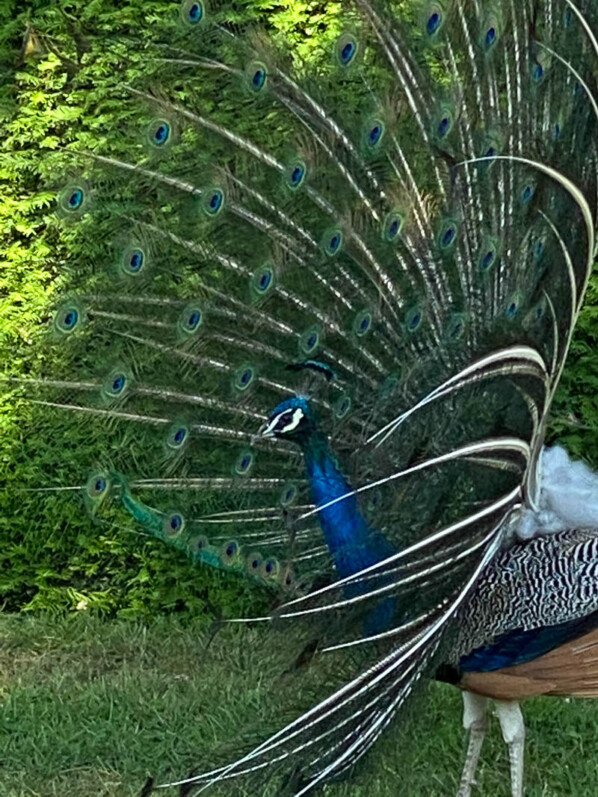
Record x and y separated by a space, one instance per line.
91 707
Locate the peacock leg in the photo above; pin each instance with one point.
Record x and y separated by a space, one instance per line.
513 732
475 720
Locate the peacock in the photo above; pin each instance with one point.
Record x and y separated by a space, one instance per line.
321 347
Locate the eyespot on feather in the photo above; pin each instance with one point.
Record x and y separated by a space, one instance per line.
332 241
73 199
256 77
68 318
116 384
393 226
230 553
159 133
342 406
346 49
295 174
262 281
413 319
289 494
244 463
244 377
193 12
309 341
177 436
190 320
362 323
173 524
213 201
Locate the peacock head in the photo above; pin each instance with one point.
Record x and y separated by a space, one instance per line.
293 419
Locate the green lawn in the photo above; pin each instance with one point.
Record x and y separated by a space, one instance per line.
90 708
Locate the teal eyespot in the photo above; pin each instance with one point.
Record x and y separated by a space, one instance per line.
118 384
309 341
444 122
198 545
362 323
244 463
490 37
256 76
388 388
73 200
487 260
97 486
67 318
346 49
413 319
254 562
556 131
269 569
456 326
190 319
212 201
567 18
393 226
115 385
342 406
178 435
434 20
447 235
295 174
230 552
287 578
173 524
133 261
244 377
289 494
332 242
193 12
159 132
488 255
513 306
262 280
373 133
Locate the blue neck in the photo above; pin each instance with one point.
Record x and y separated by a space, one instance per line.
351 542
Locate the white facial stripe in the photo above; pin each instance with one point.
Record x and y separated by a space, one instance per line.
269 429
295 421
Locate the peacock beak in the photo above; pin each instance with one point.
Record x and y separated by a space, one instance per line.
263 432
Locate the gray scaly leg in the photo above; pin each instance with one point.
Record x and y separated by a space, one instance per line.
513 731
475 720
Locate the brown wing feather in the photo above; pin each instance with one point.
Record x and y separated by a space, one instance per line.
570 670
